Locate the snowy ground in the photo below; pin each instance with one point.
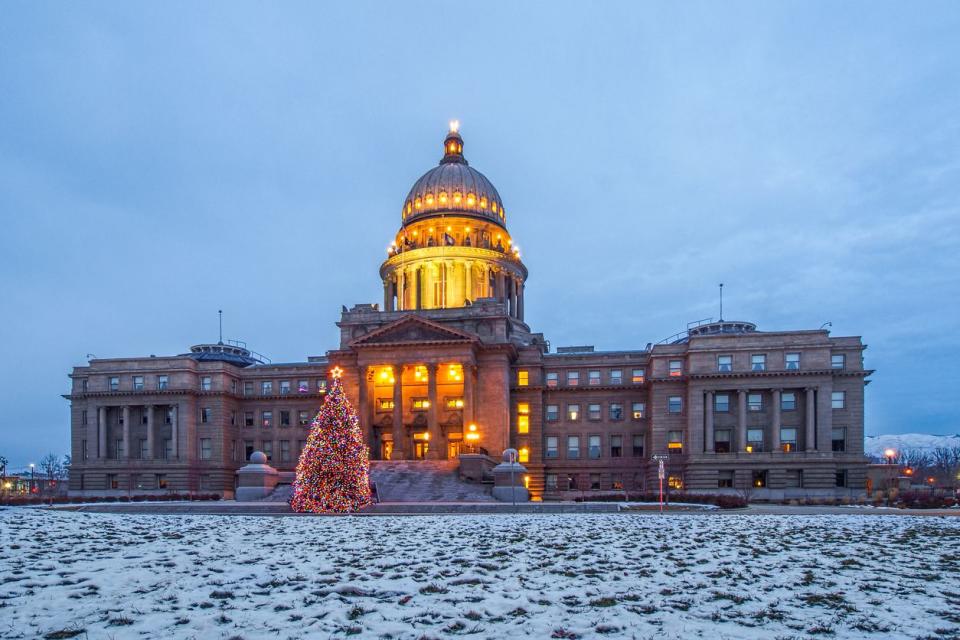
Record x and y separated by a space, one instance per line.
490 576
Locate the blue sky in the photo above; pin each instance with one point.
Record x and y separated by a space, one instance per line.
160 161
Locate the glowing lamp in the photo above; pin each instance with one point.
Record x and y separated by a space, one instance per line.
467 229
418 203
457 197
429 198
471 199
443 196
749 448
454 126
426 436
426 404
483 203
931 479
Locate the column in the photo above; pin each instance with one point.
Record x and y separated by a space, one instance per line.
708 410
775 427
433 428
469 376
741 444
387 296
399 437
449 284
401 281
150 434
520 302
810 414
126 433
501 286
418 285
175 431
102 433
468 280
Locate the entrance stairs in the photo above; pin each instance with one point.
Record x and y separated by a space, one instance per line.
424 481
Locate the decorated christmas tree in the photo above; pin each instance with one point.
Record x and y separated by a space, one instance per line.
333 474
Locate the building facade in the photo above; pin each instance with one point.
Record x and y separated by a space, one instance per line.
447 367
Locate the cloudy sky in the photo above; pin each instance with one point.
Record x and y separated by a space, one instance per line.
160 161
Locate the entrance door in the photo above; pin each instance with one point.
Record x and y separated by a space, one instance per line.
421 447
386 450
453 449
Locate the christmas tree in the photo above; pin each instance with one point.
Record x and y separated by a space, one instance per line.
333 474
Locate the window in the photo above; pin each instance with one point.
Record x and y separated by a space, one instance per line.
573 447
551 447
266 418
594 446
758 362
233 387
759 479
754 440
553 412
838 399
301 445
161 481
675 482
304 418
206 383
838 361
118 448
841 478
675 441
113 482
721 441
721 402
120 417
573 378
83 417
725 363
144 415
114 384
284 451
573 412
266 388
788 401
248 388
593 377
593 411
206 449
420 404
788 439
616 446
636 376
284 418
321 386
676 368
594 482
83 385
551 482
205 482
523 424
838 439
284 387
755 401
638 446
552 378
616 376
234 451
168 449
138 383
616 411
248 449
266 446
725 479
83 450
792 362
303 386
248 418
793 478
674 404
639 410
523 378
205 413
385 404
523 454
162 382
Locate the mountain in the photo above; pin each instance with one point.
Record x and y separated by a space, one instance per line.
874 446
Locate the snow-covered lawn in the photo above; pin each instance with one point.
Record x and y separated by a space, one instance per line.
564 576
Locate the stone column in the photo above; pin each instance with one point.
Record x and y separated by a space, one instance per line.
468 280
469 377
418 288
501 286
449 284
150 434
708 411
364 405
102 432
126 433
520 302
387 295
741 444
399 437
810 415
175 430
775 427
433 428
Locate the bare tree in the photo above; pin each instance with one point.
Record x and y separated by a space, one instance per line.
51 466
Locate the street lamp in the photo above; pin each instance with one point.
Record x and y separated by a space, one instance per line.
31 477
889 454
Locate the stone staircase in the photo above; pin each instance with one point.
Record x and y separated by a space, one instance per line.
424 481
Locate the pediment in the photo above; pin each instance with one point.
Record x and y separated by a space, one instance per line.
413 330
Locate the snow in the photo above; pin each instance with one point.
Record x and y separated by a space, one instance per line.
638 575
874 446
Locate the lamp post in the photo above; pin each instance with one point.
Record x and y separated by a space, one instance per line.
31 477
889 454
661 473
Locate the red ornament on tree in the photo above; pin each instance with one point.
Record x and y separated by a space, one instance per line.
333 474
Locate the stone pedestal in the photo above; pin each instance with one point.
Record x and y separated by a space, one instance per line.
508 485
256 480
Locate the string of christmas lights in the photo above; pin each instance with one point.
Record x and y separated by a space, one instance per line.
333 473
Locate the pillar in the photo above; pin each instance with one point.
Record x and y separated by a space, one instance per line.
175 430
468 280
501 286
810 414
708 437
387 295
741 444
102 433
126 433
469 377
399 437
401 282
520 302
433 428
418 283
775 427
150 433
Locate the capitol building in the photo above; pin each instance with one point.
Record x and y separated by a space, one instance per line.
446 368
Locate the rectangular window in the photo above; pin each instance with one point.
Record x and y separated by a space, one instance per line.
637 376
162 382
573 447
523 424
206 449
113 482
788 401
573 378
639 410
266 418
385 404
725 363
234 451
523 455
616 446
721 441
552 378
676 368
593 411
206 383
114 384
205 482
303 386
321 385
758 362
616 411
594 443
725 479
233 418
233 387
83 450
248 449
138 383
523 408
118 448
144 417
593 377
674 404
551 482
838 361
675 482
523 378
248 418
573 412
721 402
161 481
205 413
284 451
266 388
284 418
83 385
168 416
838 399
754 440
267 447
616 376
759 479
83 417
552 447
675 441
420 404
838 439
755 401
841 478
594 482
248 388
284 387
792 362
553 412
304 418
788 439
638 446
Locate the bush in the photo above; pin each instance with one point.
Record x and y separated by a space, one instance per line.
723 501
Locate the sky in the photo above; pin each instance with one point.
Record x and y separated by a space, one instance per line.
163 160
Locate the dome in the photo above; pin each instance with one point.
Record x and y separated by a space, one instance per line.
453 186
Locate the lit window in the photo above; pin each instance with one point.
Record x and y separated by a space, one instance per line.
442 197
524 455
792 361
754 440
675 482
759 479
594 447
593 377
721 441
788 439
304 418
593 411
788 401
725 363
523 408
523 378
639 410
138 383
638 446
616 446
758 362
573 447
838 361
838 439
674 404
616 376
755 402
721 402
523 424
551 448
573 378
675 441
206 383
552 378
471 199
552 412
162 382
452 403
284 387
573 411
321 386
420 404
838 399
418 203
637 376
429 199
266 418
457 197
303 386
676 368
616 411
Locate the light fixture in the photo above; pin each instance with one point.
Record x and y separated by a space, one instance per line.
454 126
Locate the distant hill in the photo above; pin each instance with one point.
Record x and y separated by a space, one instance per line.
874 446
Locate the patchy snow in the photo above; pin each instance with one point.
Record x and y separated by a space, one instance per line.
492 576
874 446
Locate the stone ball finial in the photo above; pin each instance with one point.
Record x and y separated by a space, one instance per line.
258 457
510 455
